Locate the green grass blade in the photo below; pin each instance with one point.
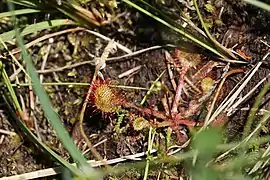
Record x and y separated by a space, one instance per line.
49 112
254 109
25 3
184 33
5 78
35 140
214 41
19 12
24 128
258 4
9 36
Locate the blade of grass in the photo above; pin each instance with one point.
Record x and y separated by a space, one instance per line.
214 41
48 110
184 33
22 125
151 138
51 115
6 81
78 14
258 4
19 12
151 88
254 110
26 3
10 35
171 21
255 132
35 140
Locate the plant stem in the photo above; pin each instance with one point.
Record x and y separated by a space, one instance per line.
149 148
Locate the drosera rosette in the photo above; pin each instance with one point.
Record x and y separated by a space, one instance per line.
104 97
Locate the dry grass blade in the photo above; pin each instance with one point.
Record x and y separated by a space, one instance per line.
233 108
120 46
230 99
261 164
58 170
207 119
263 120
214 41
47 36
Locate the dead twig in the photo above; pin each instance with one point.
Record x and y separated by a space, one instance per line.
91 62
130 71
47 36
100 64
59 170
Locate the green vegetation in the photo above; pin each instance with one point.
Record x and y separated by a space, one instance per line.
206 153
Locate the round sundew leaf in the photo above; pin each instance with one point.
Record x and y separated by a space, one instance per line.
140 123
207 84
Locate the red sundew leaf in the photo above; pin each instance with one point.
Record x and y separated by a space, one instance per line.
104 97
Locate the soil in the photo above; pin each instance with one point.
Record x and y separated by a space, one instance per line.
244 27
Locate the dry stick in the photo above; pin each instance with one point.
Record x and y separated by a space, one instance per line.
120 46
28 122
13 58
101 142
2 139
17 81
32 107
47 36
130 71
265 43
30 44
111 60
101 62
247 80
2 131
258 127
45 58
58 170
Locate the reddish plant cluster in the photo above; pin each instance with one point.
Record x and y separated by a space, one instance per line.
109 100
